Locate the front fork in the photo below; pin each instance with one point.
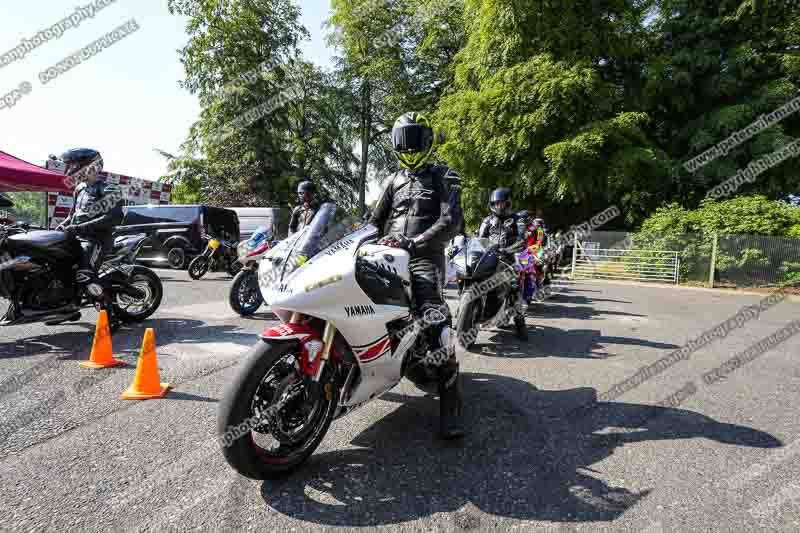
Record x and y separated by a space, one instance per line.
322 352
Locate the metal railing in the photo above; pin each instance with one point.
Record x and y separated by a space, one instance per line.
591 262
730 261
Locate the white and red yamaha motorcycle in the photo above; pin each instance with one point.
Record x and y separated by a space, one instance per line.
347 337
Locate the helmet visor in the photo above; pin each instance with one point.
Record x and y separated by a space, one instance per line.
412 138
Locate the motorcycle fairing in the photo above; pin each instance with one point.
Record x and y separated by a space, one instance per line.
340 299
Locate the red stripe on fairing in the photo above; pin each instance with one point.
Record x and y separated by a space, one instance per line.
374 351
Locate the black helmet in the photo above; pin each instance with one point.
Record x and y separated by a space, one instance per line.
78 159
452 177
412 140
306 186
306 191
500 195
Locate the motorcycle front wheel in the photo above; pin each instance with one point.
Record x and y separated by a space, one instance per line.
270 399
234 268
466 323
245 295
198 267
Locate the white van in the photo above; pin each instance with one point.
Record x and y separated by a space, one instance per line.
251 218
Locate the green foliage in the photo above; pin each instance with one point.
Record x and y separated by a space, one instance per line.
753 223
30 207
242 56
575 105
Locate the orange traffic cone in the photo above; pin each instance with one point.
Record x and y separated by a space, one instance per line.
147 383
102 356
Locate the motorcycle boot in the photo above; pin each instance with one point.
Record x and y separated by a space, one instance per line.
451 400
87 276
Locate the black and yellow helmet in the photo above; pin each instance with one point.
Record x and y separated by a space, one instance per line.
412 140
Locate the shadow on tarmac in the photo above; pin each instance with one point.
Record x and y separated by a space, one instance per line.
523 459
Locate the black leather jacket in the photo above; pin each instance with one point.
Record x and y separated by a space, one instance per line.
96 208
301 217
420 206
502 231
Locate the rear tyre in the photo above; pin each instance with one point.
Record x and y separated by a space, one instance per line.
244 398
128 309
198 267
245 295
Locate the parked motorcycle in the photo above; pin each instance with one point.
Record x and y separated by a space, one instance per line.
245 295
218 254
347 337
526 269
488 289
544 260
37 276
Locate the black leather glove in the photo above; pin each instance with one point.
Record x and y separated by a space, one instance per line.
397 240
71 231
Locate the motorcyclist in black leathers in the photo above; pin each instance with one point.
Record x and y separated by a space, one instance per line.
416 212
307 208
97 208
503 228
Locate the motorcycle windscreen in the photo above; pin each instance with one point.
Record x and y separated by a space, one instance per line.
330 225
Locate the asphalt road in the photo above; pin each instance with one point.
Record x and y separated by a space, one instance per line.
77 457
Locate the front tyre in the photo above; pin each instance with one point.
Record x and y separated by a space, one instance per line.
245 295
176 258
522 330
234 268
129 309
198 267
269 398
466 327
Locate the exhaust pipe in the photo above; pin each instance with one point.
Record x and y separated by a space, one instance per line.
22 263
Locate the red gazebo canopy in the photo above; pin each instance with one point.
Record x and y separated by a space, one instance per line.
17 175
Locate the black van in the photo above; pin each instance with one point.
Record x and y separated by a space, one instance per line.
178 232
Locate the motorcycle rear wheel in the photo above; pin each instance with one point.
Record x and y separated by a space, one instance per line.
198 267
239 446
144 279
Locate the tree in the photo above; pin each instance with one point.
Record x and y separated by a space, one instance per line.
713 69
540 104
369 34
246 163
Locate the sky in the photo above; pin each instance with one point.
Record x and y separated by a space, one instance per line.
125 101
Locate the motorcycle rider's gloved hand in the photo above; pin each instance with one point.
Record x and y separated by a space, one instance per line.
400 241
71 231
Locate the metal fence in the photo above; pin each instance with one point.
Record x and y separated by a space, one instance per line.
639 265
746 261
